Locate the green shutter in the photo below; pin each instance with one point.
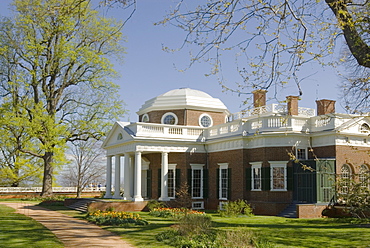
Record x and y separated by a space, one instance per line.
218 182
289 178
189 181
266 180
177 181
229 184
159 183
205 183
149 183
248 178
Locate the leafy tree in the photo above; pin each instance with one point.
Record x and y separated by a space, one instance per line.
85 166
55 69
271 40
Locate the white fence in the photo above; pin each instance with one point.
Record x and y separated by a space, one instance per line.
55 189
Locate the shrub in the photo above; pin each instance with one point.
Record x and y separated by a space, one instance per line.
115 218
236 208
175 213
191 224
152 204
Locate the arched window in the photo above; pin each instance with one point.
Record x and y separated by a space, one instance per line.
364 174
119 137
205 120
169 119
365 128
145 118
345 176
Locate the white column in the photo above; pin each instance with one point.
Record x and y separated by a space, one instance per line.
137 186
108 189
117 175
127 178
164 178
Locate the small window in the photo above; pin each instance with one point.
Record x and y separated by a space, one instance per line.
301 153
365 128
197 205
145 118
119 137
169 119
205 120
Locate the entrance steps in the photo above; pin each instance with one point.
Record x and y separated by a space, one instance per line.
290 211
81 204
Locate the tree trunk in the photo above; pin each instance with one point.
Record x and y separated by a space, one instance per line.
47 182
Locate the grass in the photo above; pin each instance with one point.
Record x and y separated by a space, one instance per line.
17 230
279 232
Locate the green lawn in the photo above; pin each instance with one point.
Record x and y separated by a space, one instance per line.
280 232
17 230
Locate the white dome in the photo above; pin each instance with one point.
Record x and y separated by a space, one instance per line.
183 98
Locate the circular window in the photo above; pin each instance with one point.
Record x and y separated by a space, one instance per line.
205 120
145 118
169 119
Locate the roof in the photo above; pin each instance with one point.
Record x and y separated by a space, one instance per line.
184 98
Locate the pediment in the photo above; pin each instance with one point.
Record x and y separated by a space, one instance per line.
356 125
117 135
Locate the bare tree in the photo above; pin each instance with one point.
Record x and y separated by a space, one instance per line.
86 165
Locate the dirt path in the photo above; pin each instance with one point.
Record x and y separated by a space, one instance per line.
71 231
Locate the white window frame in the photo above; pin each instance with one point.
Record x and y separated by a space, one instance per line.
193 168
256 165
278 164
305 153
223 166
197 202
167 114
200 120
172 167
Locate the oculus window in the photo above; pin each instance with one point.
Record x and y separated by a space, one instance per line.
169 119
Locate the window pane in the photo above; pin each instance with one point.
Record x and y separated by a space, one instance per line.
278 178
197 183
223 183
171 183
205 121
169 119
256 178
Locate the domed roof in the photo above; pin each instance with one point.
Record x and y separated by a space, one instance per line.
183 98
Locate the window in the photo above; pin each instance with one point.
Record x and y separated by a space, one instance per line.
364 175
223 181
145 118
345 176
197 205
365 128
120 136
256 176
278 176
205 120
197 181
171 181
301 153
169 119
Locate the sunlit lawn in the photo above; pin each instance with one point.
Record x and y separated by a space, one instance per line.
280 232
17 230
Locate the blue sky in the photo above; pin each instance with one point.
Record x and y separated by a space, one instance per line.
147 71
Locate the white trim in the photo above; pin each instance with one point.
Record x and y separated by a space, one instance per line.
167 114
200 120
143 117
278 164
223 166
256 165
173 168
197 167
305 152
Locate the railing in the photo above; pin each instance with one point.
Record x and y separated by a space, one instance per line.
270 109
55 189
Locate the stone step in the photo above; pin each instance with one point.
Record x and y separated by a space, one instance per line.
289 212
80 205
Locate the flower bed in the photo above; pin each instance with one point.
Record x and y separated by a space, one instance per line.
115 218
175 213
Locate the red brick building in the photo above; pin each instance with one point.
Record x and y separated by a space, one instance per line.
259 155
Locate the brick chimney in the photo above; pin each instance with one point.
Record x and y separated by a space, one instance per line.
292 105
325 106
259 98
